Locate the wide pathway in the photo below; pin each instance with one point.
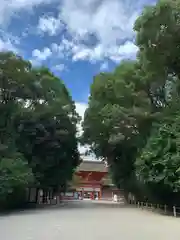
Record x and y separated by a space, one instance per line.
89 221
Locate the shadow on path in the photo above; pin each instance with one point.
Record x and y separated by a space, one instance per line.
67 205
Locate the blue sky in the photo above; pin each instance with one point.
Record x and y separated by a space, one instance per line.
76 39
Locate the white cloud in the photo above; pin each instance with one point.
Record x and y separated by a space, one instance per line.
126 51
80 109
76 51
83 149
7 45
69 49
50 25
58 50
63 50
128 48
10 8
99 52
108 20
8 42
59 67
41 55
81 53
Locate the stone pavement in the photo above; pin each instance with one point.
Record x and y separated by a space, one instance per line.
86 220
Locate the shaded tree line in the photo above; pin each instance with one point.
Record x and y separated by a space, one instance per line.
38 144
133 115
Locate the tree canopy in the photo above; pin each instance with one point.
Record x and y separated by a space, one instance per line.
38 144
132 119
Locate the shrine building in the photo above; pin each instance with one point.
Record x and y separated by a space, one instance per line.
91 174
93 181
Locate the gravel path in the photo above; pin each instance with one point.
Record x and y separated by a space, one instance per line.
89 221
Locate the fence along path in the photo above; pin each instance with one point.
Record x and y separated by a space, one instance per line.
164 209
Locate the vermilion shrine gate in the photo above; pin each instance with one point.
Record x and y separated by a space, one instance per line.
93 181
91 174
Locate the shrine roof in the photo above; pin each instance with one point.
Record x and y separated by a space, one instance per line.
94 166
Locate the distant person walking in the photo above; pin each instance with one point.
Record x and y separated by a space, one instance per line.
115 199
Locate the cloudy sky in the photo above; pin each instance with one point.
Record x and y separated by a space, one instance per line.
75 38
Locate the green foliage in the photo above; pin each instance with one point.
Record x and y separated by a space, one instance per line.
49 144
160 159
132 118
37 128
15 177
119 110
14 173
158 37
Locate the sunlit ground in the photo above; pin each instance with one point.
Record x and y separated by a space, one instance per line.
85 220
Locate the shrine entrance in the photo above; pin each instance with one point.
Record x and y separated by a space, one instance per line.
89 192
93 182
90 174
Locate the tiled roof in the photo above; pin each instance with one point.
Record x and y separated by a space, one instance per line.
94 166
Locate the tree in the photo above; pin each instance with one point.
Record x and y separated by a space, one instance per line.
47 133
15 177
129 120
158 37
76 181
158 41
38 121
118 112
48 141
14 75
14 171
159 161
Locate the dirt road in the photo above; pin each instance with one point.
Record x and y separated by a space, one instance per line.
88 221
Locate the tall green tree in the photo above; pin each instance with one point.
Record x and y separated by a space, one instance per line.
16 86
130 119
47 133
158 41
119 110
158 37
38 123
15 177
158 165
